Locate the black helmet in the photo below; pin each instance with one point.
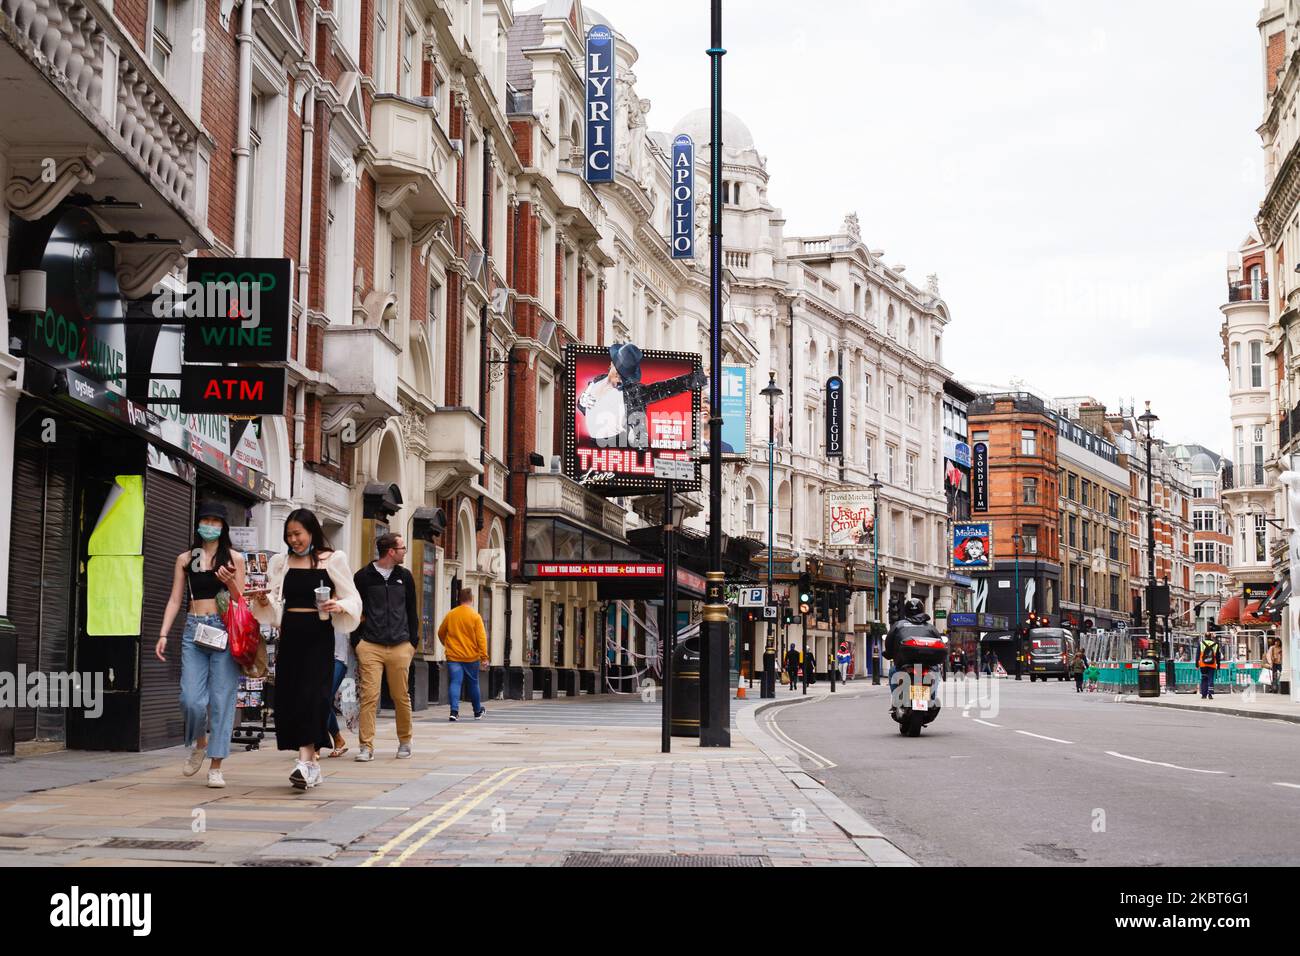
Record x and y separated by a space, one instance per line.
913 606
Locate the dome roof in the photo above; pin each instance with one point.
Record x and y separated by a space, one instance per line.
594 17
1203 464
695 124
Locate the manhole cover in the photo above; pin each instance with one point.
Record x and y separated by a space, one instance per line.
660 859
1051 851
128 843
264 861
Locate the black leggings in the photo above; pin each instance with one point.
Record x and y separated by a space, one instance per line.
1078 683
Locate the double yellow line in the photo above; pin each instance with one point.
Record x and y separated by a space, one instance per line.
501 778
443 817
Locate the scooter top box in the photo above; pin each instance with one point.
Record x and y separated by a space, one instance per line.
929 651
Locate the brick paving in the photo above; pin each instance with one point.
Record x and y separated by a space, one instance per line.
531 789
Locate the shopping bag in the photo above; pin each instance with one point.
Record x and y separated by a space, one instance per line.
258 667
245 633
347 704
1266 677
785 678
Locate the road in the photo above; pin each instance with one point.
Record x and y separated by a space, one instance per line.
1058 778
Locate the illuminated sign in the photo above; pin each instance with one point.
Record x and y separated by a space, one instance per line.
225 390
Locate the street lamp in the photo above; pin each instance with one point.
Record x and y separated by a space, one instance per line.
875 487
1149 418
1015 539
772 392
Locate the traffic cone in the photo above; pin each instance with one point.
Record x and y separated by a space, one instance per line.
740 688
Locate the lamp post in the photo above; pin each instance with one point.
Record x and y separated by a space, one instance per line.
875 487
1149 418
715 705
772 392
1015 539
673 514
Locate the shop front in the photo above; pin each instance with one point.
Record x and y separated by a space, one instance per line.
105 488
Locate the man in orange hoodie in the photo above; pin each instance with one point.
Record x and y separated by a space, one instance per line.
465 640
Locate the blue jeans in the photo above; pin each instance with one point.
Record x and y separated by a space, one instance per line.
1207 683
209 682
340 672
463 671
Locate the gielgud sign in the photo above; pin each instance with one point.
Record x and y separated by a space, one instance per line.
625 407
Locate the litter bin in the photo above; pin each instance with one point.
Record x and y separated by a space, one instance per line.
686 689
1148 678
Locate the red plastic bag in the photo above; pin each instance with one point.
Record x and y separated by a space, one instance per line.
245 634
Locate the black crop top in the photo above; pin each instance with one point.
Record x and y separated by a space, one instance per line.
203 585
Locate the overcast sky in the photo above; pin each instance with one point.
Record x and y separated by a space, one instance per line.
1075 173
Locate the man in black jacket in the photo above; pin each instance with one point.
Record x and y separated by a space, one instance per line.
386 640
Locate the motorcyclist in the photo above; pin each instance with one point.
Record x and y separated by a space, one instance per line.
914 622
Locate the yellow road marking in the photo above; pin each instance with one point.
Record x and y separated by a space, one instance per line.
414 847
384 850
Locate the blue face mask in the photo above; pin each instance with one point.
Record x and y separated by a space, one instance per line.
306 551
209 532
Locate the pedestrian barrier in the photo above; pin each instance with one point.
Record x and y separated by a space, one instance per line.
1120 677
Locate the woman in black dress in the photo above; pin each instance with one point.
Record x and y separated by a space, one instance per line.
304 661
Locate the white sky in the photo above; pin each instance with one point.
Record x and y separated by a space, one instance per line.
1075 173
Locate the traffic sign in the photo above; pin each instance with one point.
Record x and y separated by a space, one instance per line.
672 469
769 612
752 597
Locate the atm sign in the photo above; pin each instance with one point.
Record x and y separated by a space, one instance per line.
227 390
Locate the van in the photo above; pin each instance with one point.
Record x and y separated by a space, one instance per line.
1049 652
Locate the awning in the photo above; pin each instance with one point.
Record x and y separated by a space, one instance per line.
1251 615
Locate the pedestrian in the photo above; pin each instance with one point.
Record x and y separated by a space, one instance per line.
792 666
1208 658
309 594
386 641
1078 665
465 640
810 668
1274 661
845 659
209 678
342 648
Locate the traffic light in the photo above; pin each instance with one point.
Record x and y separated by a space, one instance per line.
805 593
895 608
788 613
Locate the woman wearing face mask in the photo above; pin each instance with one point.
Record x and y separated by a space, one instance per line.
209 679
304 662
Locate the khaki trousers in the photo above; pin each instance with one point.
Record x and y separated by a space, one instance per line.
374 662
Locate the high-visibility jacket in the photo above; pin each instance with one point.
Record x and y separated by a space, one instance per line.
1207 658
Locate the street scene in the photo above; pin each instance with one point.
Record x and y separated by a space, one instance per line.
693 435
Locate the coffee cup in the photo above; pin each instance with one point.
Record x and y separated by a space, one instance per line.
322 595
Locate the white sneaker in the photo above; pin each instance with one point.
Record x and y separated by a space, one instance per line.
316 779
365 755
194 761
215 779
301 775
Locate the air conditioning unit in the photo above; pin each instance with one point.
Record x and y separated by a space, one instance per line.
557 464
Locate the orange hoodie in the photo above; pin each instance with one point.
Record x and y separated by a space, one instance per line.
463 636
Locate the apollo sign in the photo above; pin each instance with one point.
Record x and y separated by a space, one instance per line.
683 235
600 105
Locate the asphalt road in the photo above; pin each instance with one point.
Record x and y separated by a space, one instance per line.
1059 778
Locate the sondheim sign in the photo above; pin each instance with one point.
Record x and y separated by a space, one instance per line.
683 238
600 105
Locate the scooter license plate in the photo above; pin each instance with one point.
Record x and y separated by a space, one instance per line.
920 696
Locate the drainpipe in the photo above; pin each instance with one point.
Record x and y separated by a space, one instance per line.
245 41
486 233
304 251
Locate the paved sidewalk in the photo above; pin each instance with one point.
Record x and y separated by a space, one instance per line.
533 783
1256 704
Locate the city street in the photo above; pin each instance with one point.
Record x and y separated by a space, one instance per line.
1029 787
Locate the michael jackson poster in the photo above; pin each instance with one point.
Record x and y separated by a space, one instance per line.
624 408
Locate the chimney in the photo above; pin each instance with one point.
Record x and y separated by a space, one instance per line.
1092 416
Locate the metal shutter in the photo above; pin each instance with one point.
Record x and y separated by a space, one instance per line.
168 530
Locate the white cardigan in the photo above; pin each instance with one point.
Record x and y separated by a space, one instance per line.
345 592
